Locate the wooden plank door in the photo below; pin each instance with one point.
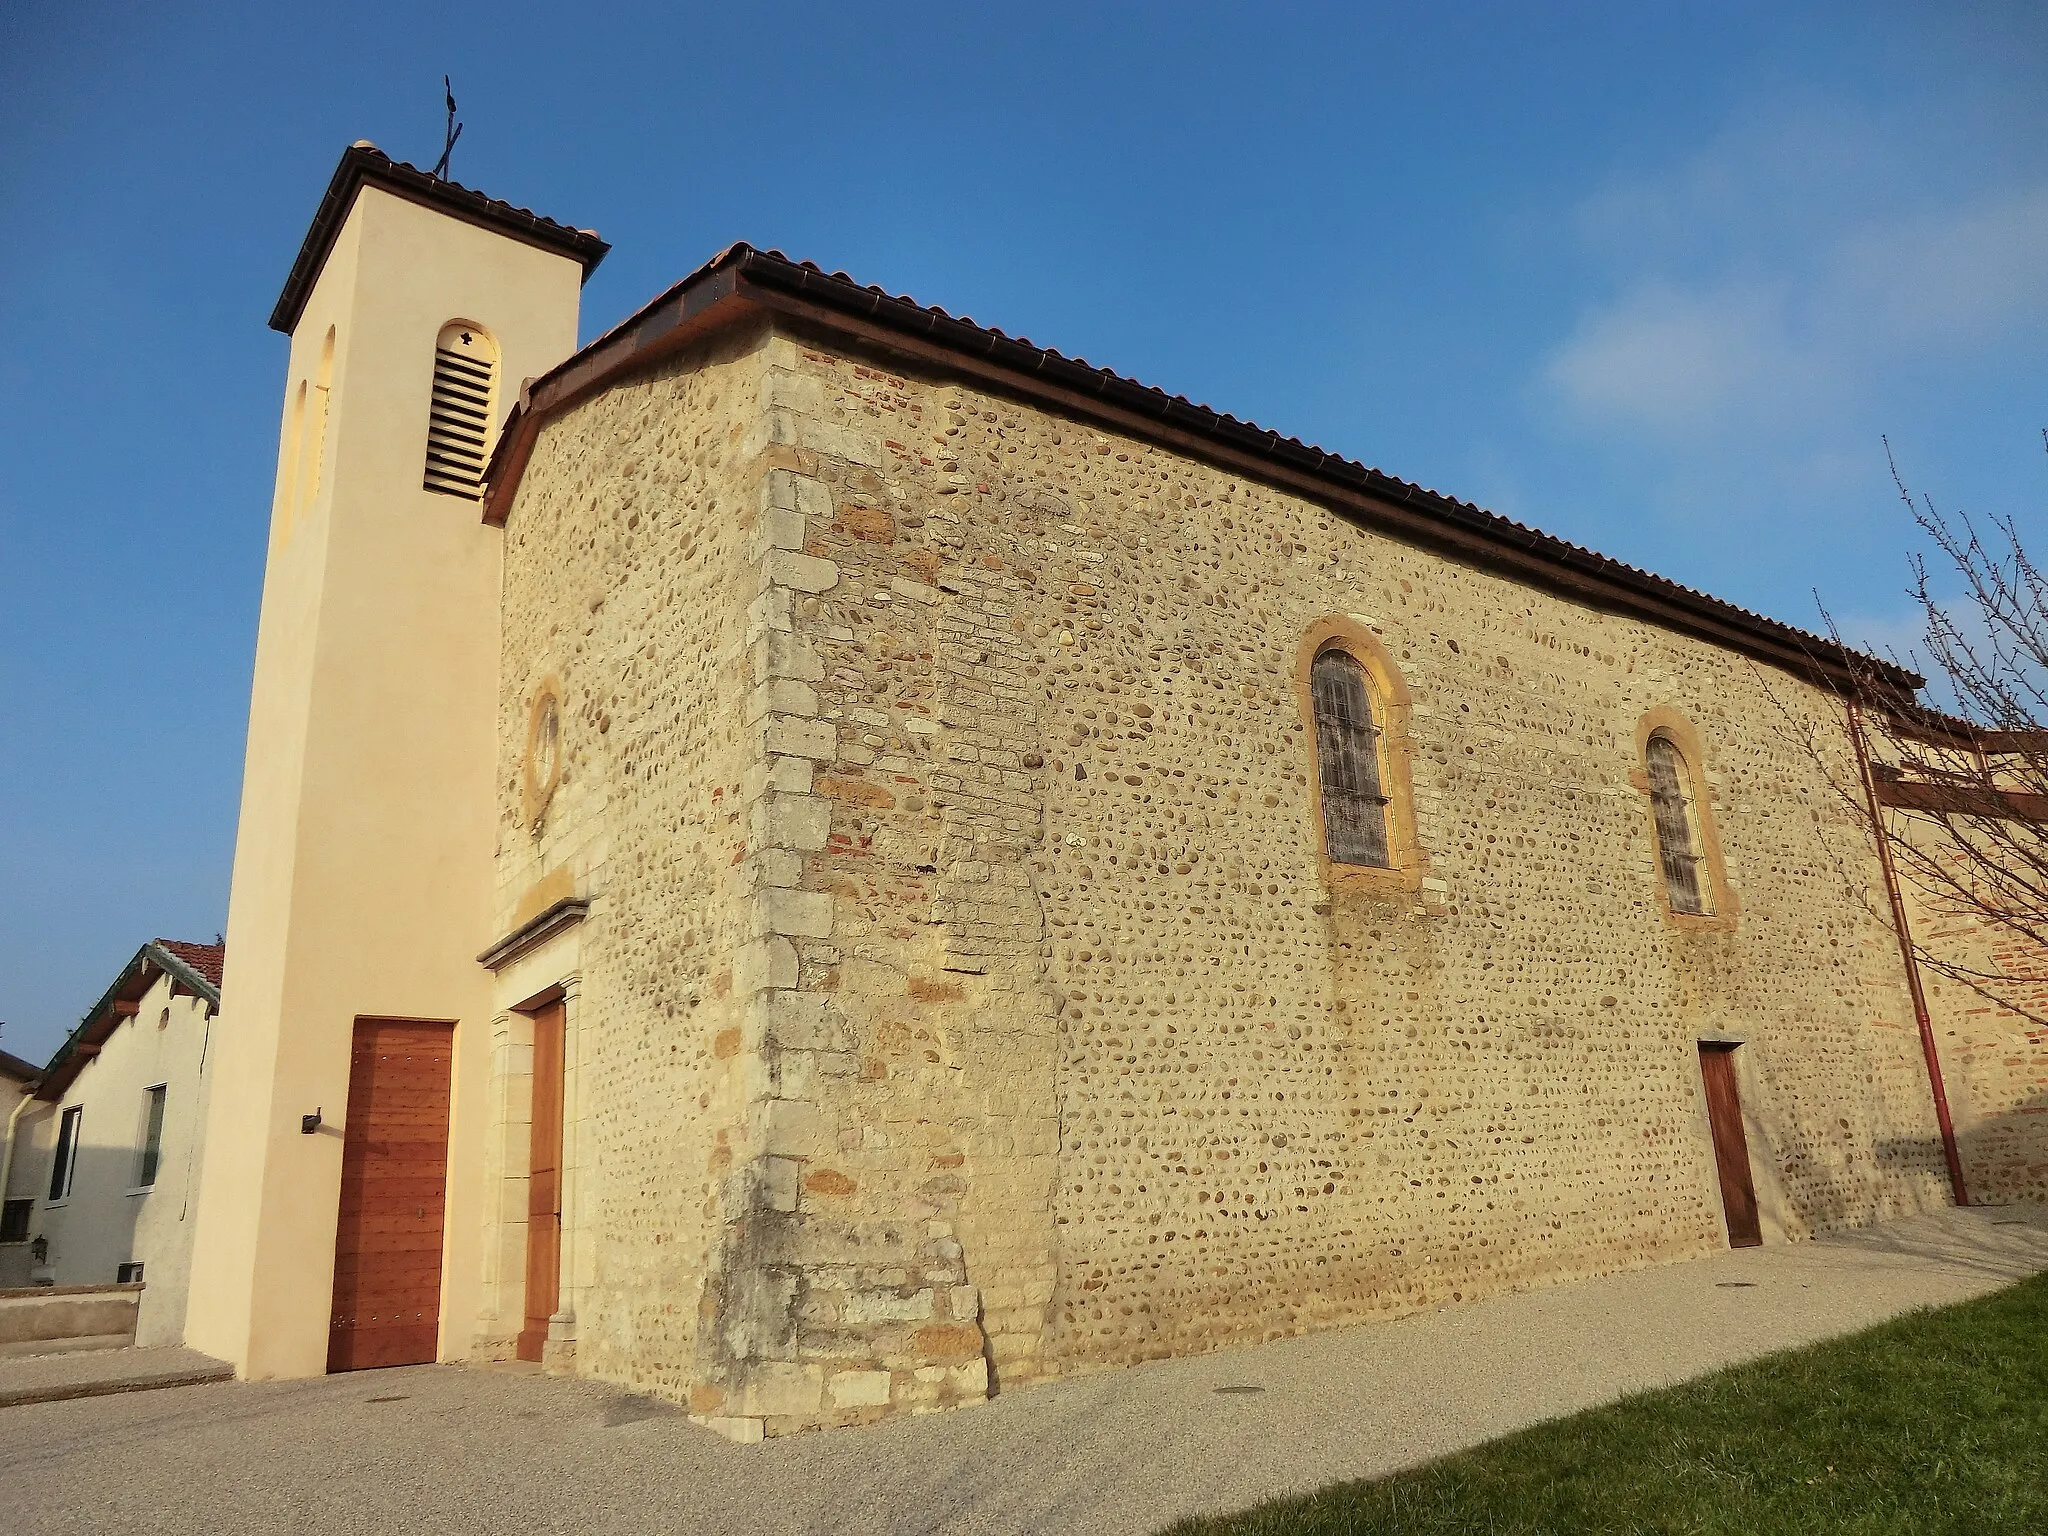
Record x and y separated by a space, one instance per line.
394 1184
1731 1146
544 1184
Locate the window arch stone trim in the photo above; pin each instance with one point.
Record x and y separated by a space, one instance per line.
1391 701
1692 750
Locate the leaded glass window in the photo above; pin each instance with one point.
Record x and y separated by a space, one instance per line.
1348 755
1677 844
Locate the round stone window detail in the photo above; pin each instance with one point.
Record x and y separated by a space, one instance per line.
543 752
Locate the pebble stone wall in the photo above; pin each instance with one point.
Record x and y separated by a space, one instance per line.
1994 1058
967 999
1279 1105
620 563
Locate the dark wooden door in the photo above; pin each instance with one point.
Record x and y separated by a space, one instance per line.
394 1182
544 1184
1731 1146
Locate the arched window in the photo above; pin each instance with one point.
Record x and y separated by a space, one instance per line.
1348 757
288 475
459 421
1678 839
313 448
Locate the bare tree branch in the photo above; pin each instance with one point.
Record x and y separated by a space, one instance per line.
1962 785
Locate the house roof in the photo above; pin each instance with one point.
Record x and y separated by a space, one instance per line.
12 1066
193 968
363 164
205 959
743 281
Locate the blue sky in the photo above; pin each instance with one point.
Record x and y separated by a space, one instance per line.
1654 278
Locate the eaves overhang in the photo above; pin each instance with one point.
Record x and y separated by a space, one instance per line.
744 281
363 164
105 1016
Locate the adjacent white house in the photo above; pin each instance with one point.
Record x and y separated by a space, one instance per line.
101 1157
17 1094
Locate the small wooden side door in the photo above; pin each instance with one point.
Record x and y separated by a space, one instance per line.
544 1184
1731 1146
394 1184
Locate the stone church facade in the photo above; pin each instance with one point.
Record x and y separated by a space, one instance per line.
1007 873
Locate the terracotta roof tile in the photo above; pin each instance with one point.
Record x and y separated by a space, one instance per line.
206 959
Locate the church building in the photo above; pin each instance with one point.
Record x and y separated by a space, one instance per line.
820 860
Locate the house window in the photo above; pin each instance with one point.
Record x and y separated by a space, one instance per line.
14 1217
1678 841
152 1136
459 420
129 1273
67 1153
1348 758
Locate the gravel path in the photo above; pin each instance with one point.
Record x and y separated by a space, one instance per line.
430 1449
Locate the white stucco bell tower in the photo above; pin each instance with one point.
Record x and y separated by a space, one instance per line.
363 860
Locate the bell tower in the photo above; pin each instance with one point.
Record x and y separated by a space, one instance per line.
363 857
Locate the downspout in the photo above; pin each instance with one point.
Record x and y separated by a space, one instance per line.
7 1159
1912 963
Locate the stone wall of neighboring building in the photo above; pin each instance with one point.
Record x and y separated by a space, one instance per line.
976 1001
1994 1057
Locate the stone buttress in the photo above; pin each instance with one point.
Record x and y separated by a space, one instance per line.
841 1289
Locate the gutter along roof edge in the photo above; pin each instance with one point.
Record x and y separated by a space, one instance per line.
743 279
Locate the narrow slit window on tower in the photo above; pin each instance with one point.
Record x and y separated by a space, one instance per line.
459 421
313 448
1677 842
295 445
1348 761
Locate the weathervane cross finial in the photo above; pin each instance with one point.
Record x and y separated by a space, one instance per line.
454 132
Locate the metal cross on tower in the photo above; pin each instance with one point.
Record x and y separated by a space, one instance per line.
454 132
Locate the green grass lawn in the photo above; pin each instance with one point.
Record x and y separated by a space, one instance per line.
1937 1421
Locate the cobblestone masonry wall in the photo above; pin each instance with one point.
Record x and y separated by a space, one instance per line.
1194 1095
622 556
971 999
655 560
1994 1059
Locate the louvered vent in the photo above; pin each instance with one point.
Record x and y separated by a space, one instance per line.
459 424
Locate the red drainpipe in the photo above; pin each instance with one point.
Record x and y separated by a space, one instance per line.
1891 886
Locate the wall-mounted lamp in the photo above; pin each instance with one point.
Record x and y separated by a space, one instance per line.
308 1124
